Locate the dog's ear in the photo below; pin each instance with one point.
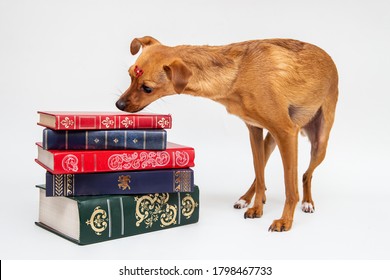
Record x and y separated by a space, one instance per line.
179 74
144 41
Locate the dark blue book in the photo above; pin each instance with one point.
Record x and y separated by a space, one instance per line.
123 183
153 139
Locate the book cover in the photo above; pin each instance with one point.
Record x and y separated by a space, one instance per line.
152 139
120 183
91 161
62 120
86 220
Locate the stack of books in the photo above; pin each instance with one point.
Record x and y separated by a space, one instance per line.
112 175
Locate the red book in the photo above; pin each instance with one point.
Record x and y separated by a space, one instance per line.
90 161
59 120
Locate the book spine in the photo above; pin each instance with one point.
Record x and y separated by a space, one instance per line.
120 183
104 139
94 122
104 218
110 160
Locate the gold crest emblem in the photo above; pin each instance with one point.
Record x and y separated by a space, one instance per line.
98 220
153 207
188 206
124 181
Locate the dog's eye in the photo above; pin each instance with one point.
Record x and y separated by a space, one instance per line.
146 89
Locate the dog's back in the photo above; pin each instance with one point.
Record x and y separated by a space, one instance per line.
286 72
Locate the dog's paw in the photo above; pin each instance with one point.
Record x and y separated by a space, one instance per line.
307 207
254 212
281 225
240 204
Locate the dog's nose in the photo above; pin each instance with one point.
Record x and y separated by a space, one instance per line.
120 104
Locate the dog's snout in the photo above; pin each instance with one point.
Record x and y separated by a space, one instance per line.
121 104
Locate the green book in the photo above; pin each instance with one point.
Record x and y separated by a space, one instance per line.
91 219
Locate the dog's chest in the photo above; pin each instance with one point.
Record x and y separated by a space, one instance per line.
253 123
240 112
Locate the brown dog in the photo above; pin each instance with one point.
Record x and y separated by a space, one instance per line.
280 85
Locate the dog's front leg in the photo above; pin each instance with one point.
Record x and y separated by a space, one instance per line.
287 141
257 145
245 200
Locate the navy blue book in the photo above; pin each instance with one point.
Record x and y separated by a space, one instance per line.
122 183
153 139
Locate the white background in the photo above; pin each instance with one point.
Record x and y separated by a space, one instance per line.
74 55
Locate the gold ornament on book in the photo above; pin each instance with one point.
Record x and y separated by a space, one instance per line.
69 184
70 163
98 220
153 207
58 185
63 185
163 123
67 122
107 122
126 122
124 181
139 160
188 206
182 181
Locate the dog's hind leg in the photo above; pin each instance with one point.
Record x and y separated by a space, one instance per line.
287 141
317 130
269 146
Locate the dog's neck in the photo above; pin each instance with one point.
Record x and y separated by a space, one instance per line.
214 71
215 75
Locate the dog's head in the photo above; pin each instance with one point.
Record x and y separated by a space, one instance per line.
157 72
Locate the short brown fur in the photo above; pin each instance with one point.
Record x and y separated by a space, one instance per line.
281 85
